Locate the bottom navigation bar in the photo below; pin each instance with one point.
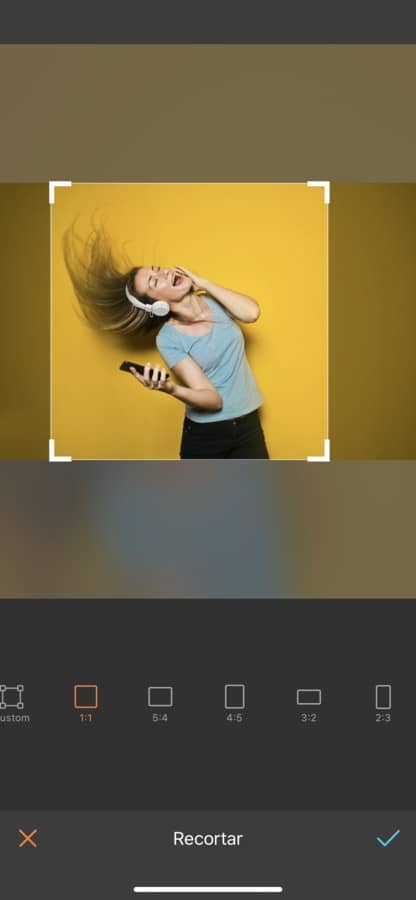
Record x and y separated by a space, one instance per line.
122 854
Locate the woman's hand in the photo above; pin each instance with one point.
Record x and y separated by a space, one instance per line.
198 283
200 392
155 383
240 306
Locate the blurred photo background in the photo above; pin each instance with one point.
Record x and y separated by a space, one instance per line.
200 530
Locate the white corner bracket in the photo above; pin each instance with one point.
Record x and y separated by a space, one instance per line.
326 185
52 457
327 453
55 184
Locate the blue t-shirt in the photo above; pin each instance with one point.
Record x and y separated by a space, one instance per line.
221 355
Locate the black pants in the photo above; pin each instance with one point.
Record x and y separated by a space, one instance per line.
240 438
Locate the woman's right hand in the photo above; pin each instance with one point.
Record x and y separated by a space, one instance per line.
154 383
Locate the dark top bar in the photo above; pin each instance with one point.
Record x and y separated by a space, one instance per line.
208 21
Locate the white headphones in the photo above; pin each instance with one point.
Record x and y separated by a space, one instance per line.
158 308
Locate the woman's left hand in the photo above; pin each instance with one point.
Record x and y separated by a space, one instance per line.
198 283
159 381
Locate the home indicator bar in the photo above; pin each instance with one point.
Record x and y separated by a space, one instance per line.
208 890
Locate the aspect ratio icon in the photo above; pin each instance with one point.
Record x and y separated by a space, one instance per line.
383 696
85 696
235 696
309 697
160 697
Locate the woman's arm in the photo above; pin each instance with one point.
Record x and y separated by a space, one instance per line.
240 306
196 390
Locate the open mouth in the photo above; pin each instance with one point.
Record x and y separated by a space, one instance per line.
177 280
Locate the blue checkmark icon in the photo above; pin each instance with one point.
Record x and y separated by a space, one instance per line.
389 840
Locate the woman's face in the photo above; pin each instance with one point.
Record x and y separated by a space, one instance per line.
162 284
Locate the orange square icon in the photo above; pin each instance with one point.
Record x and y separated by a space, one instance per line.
86 696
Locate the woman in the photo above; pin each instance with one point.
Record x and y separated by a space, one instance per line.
200 341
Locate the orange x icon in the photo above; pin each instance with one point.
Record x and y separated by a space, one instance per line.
28 838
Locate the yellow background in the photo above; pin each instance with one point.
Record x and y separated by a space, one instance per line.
266 240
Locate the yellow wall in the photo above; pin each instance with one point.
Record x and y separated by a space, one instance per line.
373 321
24 321
268 241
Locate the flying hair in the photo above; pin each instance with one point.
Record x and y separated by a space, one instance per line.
100 280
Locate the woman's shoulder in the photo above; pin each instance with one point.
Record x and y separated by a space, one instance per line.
168 336
218 309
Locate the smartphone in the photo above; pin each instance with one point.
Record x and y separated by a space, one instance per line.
125 367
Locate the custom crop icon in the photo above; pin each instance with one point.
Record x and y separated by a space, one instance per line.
11 697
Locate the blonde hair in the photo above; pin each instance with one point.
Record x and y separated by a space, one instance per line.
99 284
